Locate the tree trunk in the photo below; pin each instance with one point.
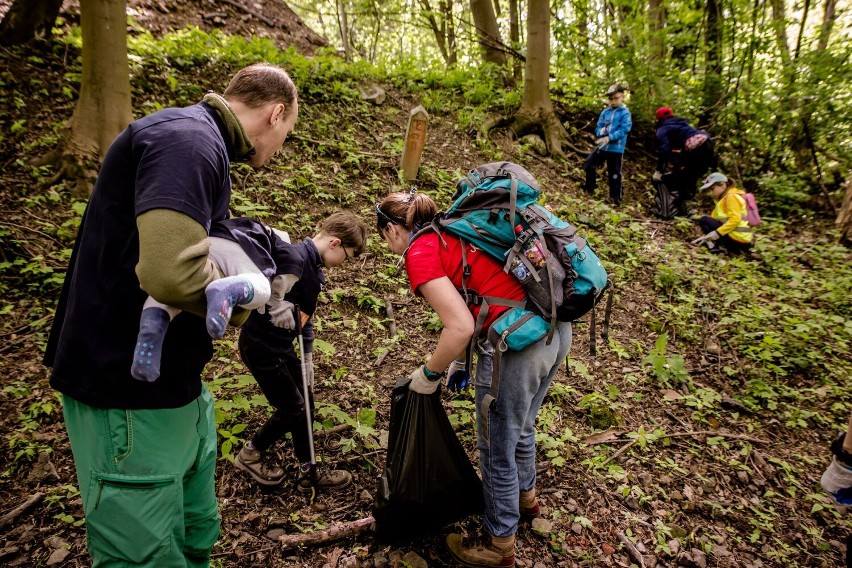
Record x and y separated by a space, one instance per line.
779 24
827 23
439 30
622 16
515 37
657 17
449 22
487 32
808 105
537 71
103 109
582 10
844 218
29 19
344 29
536 110
713 39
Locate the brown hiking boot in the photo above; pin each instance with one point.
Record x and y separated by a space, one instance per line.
331 480
485 551
248 460
529 507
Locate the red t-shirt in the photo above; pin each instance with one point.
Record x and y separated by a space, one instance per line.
428 259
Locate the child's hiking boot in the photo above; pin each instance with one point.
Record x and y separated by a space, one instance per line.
486 550
222 295
249 460
529 506
331 480
148 353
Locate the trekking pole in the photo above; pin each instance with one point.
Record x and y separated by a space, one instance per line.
306 395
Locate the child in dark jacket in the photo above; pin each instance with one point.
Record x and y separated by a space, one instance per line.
688 150
266 347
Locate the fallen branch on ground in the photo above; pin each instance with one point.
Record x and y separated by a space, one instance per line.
333 430
336 532
631 549
20 509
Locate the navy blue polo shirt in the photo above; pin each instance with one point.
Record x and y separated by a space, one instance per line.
259 329
177 159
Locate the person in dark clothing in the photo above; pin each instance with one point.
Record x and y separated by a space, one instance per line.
145 452
687 150
614 124
242 251
266 347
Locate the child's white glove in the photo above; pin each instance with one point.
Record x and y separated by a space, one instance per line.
282 315
709 237
837 482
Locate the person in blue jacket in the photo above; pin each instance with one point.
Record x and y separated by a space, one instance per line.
688 150
614 124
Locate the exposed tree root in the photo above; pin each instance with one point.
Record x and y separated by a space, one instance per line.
78 167
542 122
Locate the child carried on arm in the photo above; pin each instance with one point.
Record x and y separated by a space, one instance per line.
258 268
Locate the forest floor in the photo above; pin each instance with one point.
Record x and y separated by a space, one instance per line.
637 463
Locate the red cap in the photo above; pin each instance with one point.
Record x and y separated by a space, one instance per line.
663 113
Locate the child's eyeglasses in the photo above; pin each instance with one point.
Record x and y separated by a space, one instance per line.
345 254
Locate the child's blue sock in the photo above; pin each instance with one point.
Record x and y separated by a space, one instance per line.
149 344
222 296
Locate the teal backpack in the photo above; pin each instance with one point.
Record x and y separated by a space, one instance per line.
496 209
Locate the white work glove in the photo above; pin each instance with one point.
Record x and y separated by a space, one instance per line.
602 141
282 315
711 236
837 482
420 384
309 369
604 130
657 176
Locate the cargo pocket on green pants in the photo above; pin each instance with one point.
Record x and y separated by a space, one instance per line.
131 517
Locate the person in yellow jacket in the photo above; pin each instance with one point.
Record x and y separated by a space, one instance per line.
726 226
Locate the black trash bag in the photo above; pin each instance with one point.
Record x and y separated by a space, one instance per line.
428 481
665 199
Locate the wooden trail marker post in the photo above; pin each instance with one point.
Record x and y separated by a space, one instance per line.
415 140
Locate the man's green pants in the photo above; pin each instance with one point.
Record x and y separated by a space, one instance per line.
147 482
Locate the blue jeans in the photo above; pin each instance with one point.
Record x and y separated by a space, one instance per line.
507 463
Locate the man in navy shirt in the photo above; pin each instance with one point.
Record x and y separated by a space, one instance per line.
145 452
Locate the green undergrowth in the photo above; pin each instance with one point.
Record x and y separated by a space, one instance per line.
781 319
